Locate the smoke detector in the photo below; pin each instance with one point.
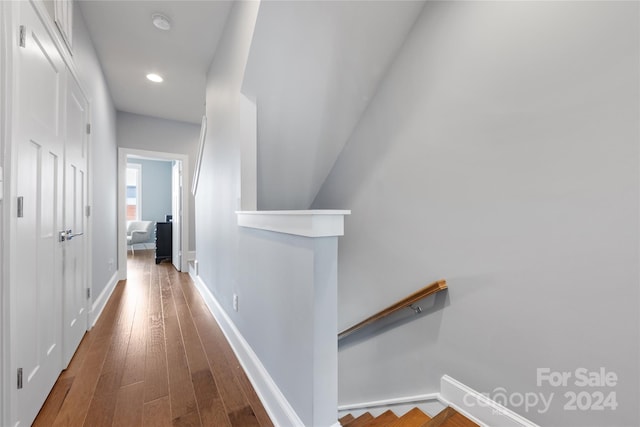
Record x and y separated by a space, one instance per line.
161 22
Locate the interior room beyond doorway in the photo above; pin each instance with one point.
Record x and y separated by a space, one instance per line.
151 197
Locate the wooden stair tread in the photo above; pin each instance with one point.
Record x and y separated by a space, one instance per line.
361 421
346 419
449 417
383 419
414 417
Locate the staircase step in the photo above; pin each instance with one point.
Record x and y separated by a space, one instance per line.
346 419
361 421
413 418
383 420
449 417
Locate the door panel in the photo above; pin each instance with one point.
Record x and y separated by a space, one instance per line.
37 352
75 248
47 275
42 70
36 269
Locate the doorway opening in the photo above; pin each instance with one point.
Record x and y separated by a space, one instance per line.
152 195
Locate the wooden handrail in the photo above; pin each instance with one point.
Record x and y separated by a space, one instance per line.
431 289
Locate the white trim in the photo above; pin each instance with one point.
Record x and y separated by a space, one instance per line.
193 269
430 404
89 219
276 405
191 256
196 166
307 223
100 302
431 397
7 38
478 407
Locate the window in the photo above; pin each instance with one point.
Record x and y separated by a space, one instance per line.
134 192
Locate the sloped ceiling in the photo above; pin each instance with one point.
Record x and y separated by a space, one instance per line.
313 68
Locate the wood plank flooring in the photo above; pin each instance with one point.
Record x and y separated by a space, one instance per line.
156 357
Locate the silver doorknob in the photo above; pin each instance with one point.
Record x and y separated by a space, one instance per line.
71 234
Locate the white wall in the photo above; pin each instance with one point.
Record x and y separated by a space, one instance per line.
500 153
286 287
104 157
219 187
279 279
168 136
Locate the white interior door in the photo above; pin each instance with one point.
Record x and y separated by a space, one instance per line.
36 258
176 214
75 201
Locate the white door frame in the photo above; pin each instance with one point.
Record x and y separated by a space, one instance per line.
6 63
123 153
176 192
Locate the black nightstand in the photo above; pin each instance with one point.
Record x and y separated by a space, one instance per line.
163 241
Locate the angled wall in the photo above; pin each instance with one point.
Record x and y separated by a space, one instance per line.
500 153
313 67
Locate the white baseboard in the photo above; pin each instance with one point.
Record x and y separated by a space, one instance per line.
390 402
193 270
191 255
276 405
429 403
478 407
100 302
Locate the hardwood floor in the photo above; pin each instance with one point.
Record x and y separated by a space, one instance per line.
156 357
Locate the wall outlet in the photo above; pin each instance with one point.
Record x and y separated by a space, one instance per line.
235 302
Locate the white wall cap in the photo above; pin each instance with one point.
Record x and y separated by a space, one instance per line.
307 223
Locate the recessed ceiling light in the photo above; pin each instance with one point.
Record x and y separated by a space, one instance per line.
154 78
160 21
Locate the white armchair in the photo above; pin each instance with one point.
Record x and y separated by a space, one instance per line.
138 232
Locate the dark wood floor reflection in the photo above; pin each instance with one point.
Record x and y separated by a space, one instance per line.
156 357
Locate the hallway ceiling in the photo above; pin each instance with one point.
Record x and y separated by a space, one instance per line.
129 47
313 68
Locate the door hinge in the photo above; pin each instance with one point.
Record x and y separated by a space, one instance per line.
22 38
87 210
88 128
20 207
88 293
19 378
